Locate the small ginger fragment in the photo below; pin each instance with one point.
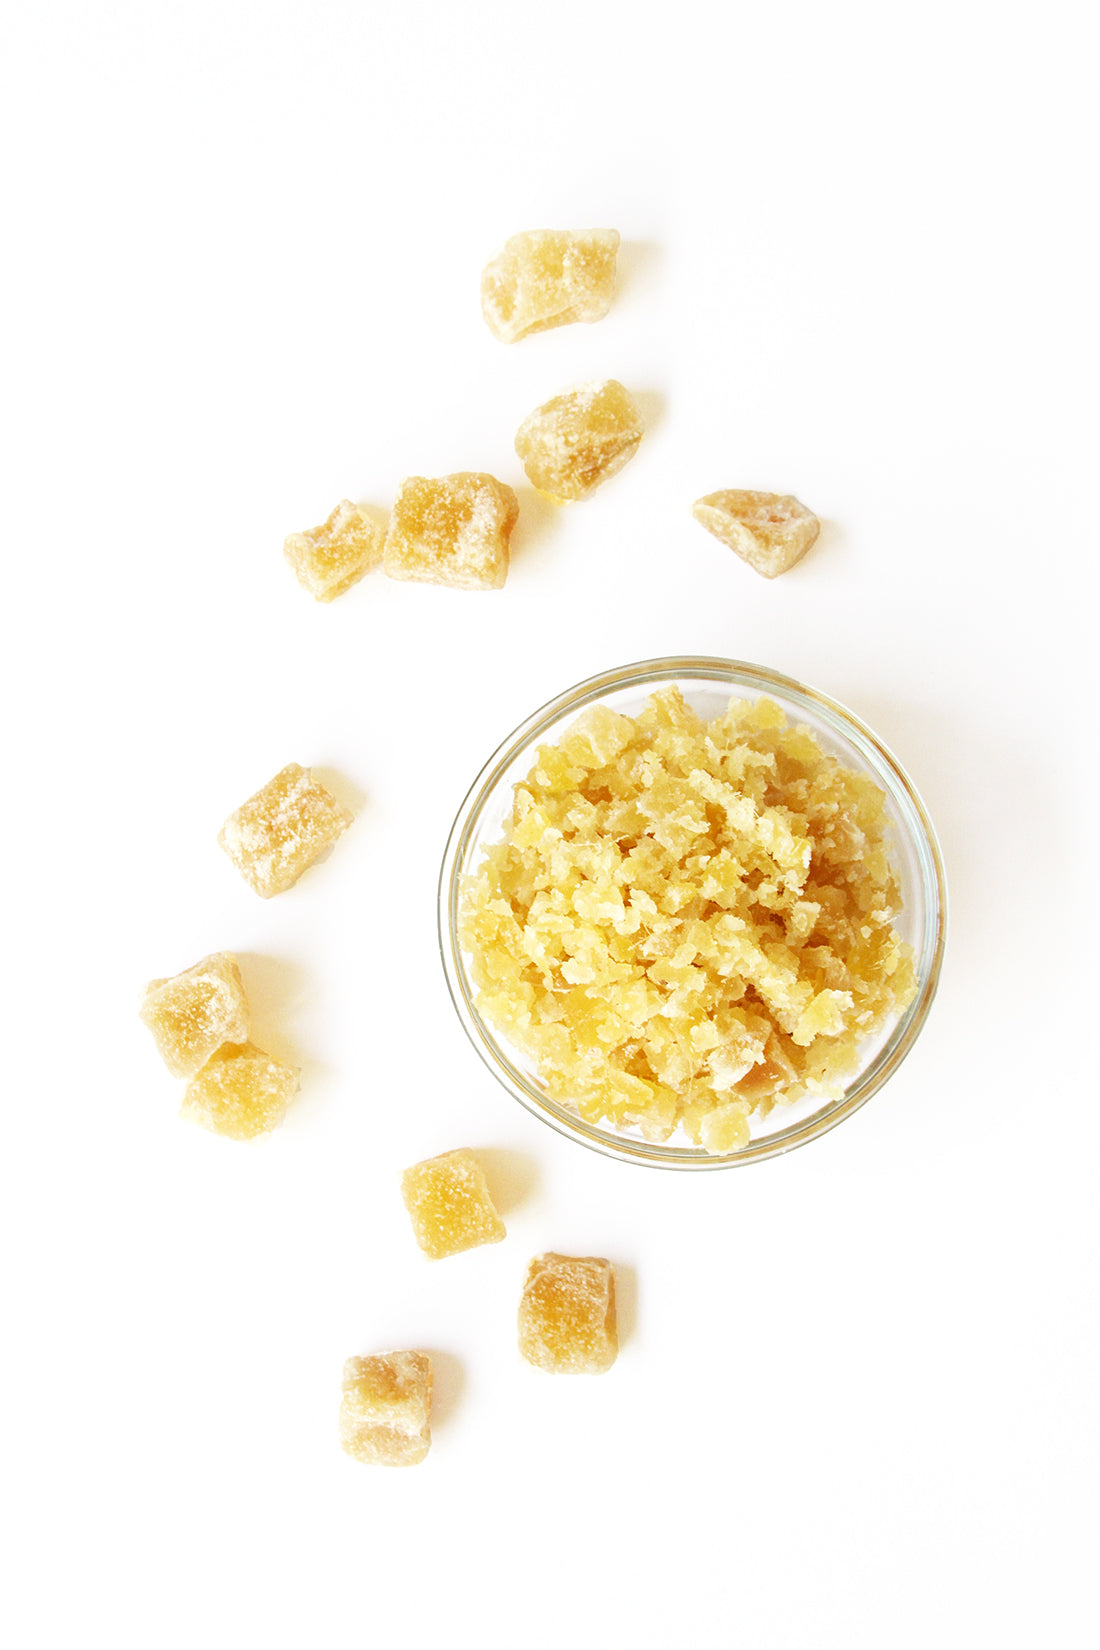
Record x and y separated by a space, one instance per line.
449 1204
771 531
240 1092
453 530
278 833
195 1012
547 278
385 1410
328 560
567 1315
578 439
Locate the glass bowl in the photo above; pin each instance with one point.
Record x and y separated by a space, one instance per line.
707 685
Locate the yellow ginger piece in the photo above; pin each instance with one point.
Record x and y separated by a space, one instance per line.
567 1315
385 1411
449 1205
578 439
688 922
278 833
328 560
453 530
195 1012
771 531
546 278
240 1092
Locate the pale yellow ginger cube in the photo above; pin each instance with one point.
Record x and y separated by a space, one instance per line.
195 1012
547 278
770 531
328 560
385 1410
596 738
278 833
453 530
725 1129
449 1205
579 439
240 1092
567 1315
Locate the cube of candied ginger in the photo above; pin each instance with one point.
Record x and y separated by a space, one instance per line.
771 531
240 1092
452 530
449 1204
578 439
278 833
385 1411
328 560
546 278
195 1012
567 1315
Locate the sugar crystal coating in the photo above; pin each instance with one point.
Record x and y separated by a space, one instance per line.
449 1204
240 1092
451 530
385 1411
687 922
278 833
567 1315
195 1012
578 439
771 531
546 278
328 560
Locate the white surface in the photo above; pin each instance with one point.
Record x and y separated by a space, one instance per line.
855 1404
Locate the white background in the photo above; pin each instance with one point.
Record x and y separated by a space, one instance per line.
855 1404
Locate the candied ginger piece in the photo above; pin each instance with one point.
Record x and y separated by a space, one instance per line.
771 531
452 530
449 1204
278 833
328 560
725 1129
578 439
240 1092
195 1012
567 1315
546 278
385 1411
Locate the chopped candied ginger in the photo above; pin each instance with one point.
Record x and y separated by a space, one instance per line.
328 560
578 439
449 1205
567 1315
688 922
453 530
240 1092
278 833
771 531
385 1410
547 278
196 1012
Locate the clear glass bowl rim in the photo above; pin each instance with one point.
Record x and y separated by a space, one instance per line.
732 673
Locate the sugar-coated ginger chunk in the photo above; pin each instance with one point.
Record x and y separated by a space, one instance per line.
240 1092
567 1315
451 530
578 439
195 1012
385 1411
328 560
771 531
546 278
278 833
449 1205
